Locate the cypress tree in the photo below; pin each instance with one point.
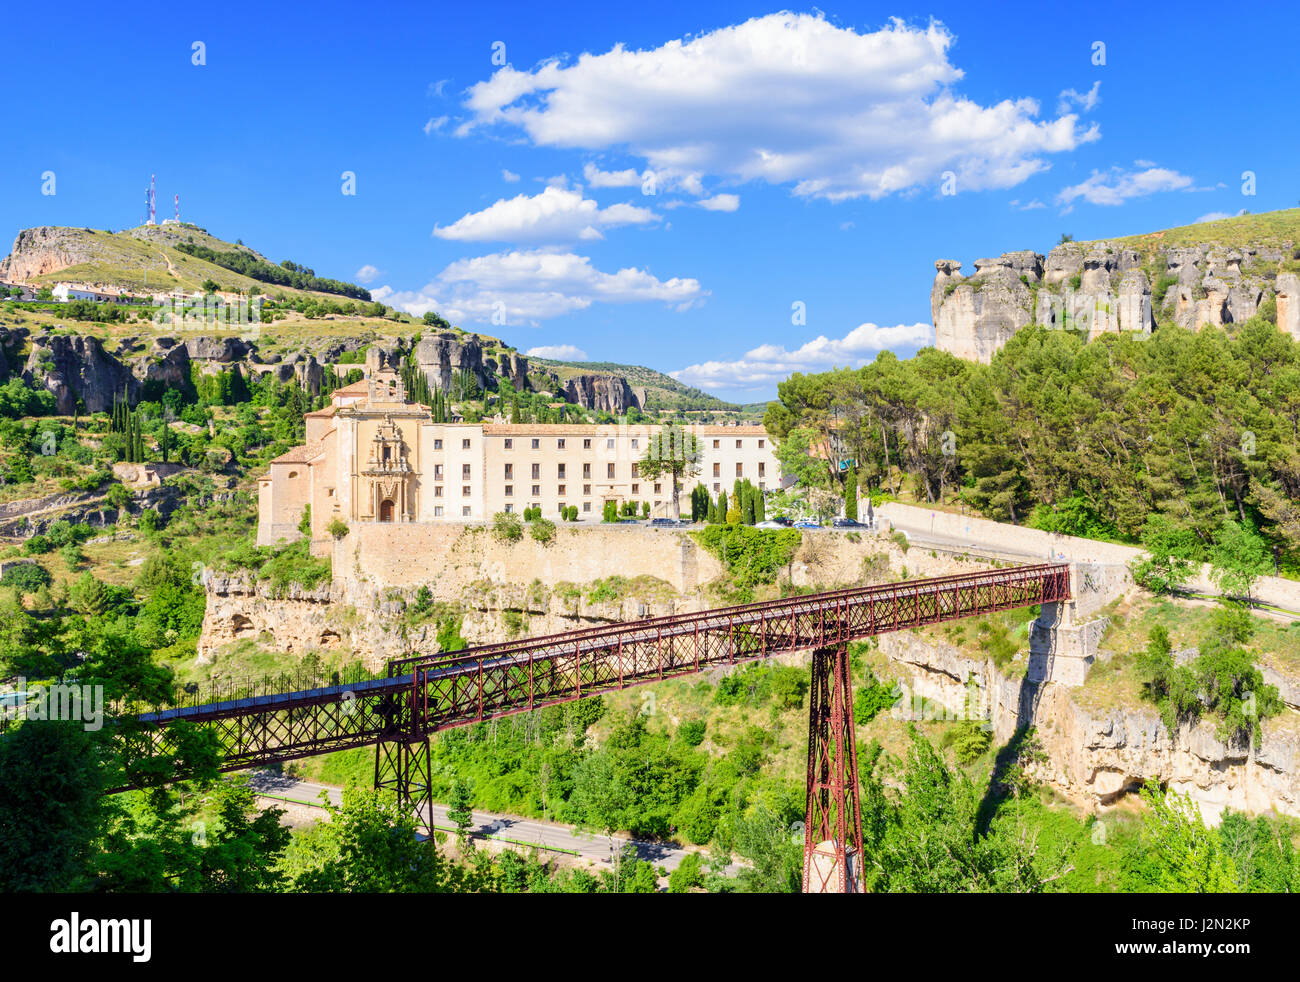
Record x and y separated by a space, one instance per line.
851 494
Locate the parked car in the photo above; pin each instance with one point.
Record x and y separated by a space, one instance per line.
805 524
662 522
782 521
849 523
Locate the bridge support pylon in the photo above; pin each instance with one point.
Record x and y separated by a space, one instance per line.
832 855
406 767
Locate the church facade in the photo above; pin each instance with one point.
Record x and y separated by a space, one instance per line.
373 456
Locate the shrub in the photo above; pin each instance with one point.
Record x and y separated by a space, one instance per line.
543 530
26 577
506 527
37 545
751 555
337 528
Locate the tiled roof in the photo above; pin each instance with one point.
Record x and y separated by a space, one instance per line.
299 455
327 411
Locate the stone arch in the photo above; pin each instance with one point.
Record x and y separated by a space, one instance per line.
386 509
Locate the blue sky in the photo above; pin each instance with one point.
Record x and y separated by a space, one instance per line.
501 151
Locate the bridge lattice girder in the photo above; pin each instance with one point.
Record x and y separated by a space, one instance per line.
425 694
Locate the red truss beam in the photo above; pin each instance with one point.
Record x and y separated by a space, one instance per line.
425 694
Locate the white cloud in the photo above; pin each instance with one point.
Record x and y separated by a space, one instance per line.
598 178
558 352
367 274
1115 186
510 177
554 214
435 88
1085 101
1030 205
771 363
721 202
785 98
1216 216
529 286
434 124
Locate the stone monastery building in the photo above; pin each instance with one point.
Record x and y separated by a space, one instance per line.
372 456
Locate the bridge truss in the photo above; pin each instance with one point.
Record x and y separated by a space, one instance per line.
423 694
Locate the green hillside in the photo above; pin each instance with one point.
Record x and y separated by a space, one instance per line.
1278 229
662 391
146 259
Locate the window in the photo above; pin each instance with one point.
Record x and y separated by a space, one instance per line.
740 470
762 444
537 471
437 490
737 444
510 444
437 472
609 444
586 470
509 508
537 444
762 469
465 511
293 474
586 489
717 487
510 471
586 506
636 470
437 444
636 489
465 491
717 444
510 490
560 490
586 444
609 471
464 444
559 444
658 488
437 511
635 443
560 472
562 505
464 470
537 489
717 470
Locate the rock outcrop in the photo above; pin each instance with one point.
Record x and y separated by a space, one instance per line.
1097 755
43 250
1101 288
442 356
602 393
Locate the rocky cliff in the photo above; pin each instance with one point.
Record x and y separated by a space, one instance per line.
1096 755
1103 287
48 249
602 393
441 356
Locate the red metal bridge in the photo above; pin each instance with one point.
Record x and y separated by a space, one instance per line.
424 694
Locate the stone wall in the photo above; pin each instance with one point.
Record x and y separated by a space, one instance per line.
1020 544
381 556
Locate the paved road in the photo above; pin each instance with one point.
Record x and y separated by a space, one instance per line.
503 828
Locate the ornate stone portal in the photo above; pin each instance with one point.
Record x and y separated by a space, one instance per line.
388 475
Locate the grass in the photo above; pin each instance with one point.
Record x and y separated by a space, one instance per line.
1270 228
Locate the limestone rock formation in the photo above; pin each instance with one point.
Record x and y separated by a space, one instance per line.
77 367
441 356
1288 304
1102 288
42 250
602 393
